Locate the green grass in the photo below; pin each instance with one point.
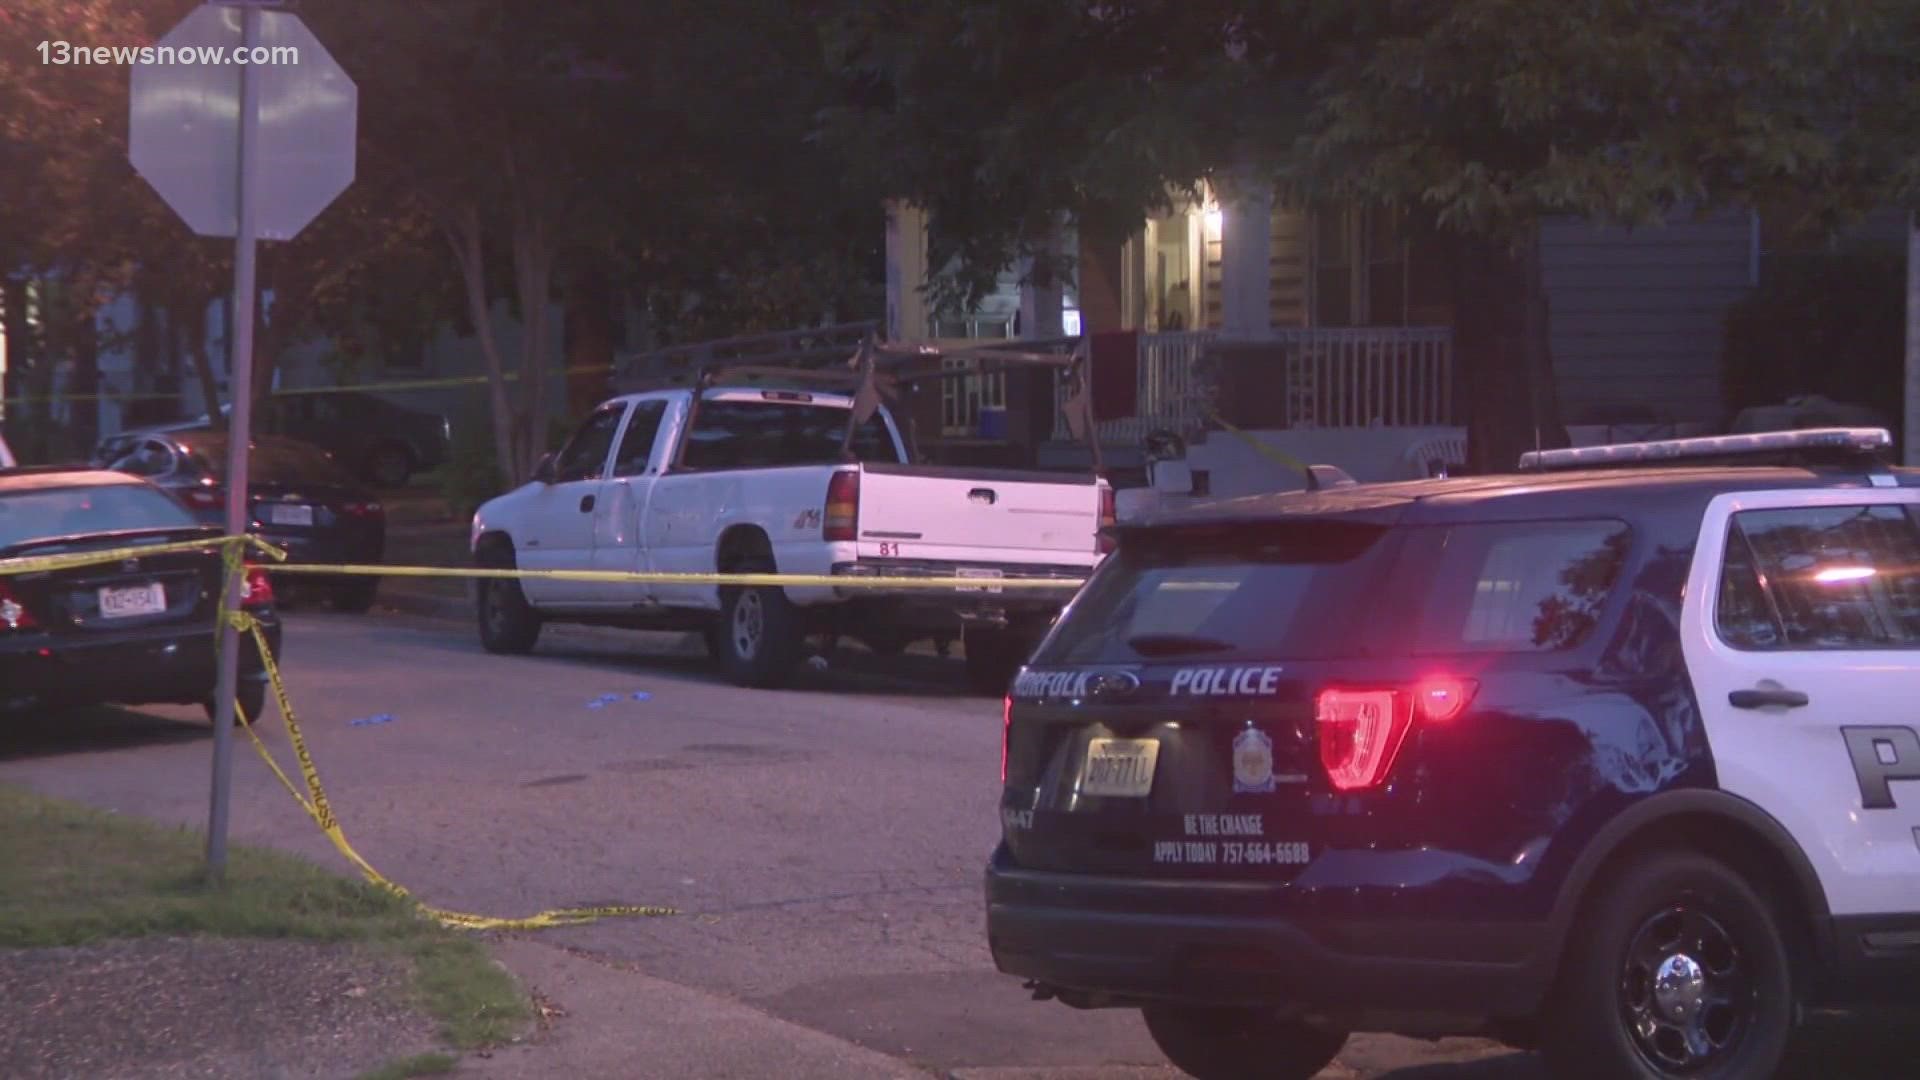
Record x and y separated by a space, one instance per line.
70 875
419 1065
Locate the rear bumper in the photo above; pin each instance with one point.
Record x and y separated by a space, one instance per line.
1124 941
982 602
154 664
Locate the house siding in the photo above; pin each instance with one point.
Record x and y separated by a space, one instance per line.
1637 317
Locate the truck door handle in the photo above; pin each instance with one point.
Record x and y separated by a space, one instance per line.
1760 699
586 503
984 495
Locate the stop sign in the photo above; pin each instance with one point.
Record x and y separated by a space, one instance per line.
185 122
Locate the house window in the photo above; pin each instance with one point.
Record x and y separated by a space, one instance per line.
1359 268
1334 249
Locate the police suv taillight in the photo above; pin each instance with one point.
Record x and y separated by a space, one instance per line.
1360 730
841 519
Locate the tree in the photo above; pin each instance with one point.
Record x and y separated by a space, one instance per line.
1478 117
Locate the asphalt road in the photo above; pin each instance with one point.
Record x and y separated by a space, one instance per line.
825 843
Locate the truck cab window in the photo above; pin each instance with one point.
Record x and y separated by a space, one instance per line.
586 453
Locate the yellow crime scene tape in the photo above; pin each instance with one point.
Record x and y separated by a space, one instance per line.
314 800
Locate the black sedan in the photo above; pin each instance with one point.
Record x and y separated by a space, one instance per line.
135 631
298 498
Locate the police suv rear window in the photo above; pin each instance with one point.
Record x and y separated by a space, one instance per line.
1246 591
1324 590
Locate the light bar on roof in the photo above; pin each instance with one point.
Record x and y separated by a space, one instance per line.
1857 440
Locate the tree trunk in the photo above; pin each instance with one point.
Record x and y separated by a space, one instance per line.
1501 345
84 390
462 231
588 330
533 269
193 317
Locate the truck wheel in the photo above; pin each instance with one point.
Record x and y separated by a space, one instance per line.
508 624
1680 969
1235 1044
760 634
993 659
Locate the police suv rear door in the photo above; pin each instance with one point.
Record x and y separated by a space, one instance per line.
1802 636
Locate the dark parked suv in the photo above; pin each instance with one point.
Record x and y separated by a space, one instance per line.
1616 758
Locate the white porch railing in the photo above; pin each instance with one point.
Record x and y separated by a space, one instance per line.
1345 377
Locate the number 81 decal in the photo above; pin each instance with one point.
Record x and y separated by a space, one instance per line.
1882 755
889 549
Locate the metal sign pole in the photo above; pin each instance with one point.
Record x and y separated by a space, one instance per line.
240 383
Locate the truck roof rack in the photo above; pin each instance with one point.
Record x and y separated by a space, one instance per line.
1812 446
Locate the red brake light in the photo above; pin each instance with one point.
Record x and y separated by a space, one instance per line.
1443 697
1104 542
256 588
14 614
363 509
842 518
1006 733
1360 732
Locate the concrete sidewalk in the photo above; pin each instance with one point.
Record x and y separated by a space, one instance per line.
615 1023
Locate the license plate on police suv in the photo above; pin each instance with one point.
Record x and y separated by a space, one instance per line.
291 514
1121 768
975 572
149 599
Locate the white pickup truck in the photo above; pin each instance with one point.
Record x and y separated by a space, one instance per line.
767 480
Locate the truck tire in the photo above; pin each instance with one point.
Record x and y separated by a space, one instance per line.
1236 1044
761 635
1681 968
993 658
508 624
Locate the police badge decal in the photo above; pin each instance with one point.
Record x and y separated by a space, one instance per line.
1252 761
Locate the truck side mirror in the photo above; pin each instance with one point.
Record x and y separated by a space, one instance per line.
544 470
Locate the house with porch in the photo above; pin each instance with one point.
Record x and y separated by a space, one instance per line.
1329 335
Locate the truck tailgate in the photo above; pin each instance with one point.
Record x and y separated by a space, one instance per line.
963 514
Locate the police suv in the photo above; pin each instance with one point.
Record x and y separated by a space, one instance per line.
1616 758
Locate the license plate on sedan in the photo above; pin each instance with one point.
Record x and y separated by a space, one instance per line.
290 514
1119 768
149 599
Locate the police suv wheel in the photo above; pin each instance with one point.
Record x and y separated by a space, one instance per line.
1679 969
508 624
1239 1044
760 635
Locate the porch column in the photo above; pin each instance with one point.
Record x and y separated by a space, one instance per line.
1042 301
1246 275
906 272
